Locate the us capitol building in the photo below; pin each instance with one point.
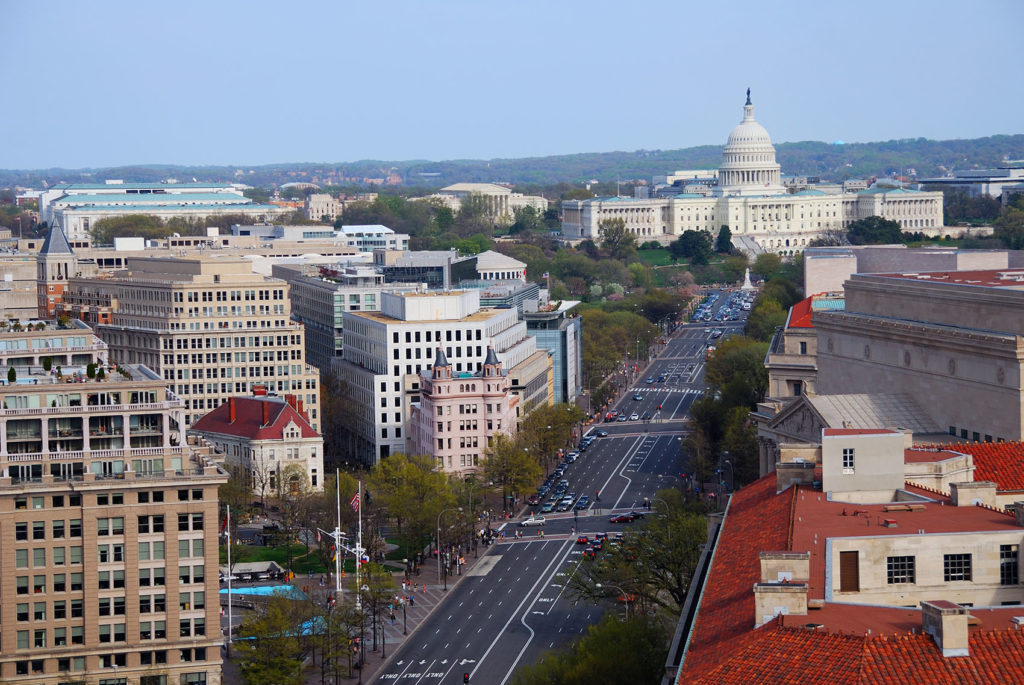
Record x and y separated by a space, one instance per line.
747 195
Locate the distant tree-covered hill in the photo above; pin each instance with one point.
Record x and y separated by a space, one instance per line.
835 162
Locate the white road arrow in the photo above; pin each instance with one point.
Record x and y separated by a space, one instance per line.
467 661
422 661
444 661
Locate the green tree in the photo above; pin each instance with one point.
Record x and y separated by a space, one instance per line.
734 267
12 375
527 219
1009 228
273 655
412 492
723 243
618 241
874 230
613 652
510 466
767 316
767 265
694 246
47 364
737 367
147 226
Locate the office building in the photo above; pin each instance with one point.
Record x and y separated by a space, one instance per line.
386 350
78 206
210 327
459 414
559 331
320 295
109 520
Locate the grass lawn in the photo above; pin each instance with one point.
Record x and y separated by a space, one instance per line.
655 257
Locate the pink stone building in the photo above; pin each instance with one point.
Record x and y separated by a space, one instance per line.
459 413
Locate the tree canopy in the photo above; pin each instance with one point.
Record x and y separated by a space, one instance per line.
874 230
694 246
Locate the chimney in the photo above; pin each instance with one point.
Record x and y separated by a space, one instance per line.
290 399
231 410
266 413
778 567
1018 512
259 390
772 599
788 474
971 493
946 622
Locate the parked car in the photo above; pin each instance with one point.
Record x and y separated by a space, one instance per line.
547 508
634 417
532 521
533 500
602 434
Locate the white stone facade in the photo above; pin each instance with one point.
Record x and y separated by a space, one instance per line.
750 199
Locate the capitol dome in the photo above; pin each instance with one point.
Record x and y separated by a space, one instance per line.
748 159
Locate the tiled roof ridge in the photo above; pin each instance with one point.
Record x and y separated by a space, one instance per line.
926 487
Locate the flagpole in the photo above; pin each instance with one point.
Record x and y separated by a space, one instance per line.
337 538
359 543
228 518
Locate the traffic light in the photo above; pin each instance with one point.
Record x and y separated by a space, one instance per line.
465 677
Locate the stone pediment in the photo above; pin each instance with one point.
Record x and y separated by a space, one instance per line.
798 423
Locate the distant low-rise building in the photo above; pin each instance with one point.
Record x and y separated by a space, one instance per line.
322 207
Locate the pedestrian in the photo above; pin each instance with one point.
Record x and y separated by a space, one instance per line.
412 601
403 586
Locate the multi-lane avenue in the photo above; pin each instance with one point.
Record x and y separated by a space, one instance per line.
514 606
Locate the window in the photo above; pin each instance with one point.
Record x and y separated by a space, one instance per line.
1008 565
848 460
22 612
900 570
21 558
803 348
21 531
956 567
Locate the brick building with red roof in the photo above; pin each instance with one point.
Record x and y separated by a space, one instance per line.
268 436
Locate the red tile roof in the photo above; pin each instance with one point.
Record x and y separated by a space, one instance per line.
778 654
919 455
249 422
758 519
800 314
725 647
1000 462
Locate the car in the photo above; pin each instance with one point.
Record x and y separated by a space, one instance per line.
602 434
646 416
661 379
637 514
533 499
582 540
532 521
638 397
634 417
589 552
622 417
582 504
650 379
571 457
547 508
563 506
620 518
602 536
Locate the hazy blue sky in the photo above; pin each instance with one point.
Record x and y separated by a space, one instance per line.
107 83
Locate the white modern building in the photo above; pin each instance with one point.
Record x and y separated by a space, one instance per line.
748 196
386 350
370 237
77 207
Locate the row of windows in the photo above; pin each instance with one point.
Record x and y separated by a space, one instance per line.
435 336
56 501
955 567
975 436
106 580
209 342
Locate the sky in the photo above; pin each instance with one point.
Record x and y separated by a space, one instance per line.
107 83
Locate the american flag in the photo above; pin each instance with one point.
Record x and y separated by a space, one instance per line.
354 503
546 275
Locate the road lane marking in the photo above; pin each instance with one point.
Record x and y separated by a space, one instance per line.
544 576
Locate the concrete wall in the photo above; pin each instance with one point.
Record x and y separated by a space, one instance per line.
878 464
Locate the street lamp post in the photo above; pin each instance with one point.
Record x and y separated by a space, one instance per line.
638 356
624 595
443 512
405 618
